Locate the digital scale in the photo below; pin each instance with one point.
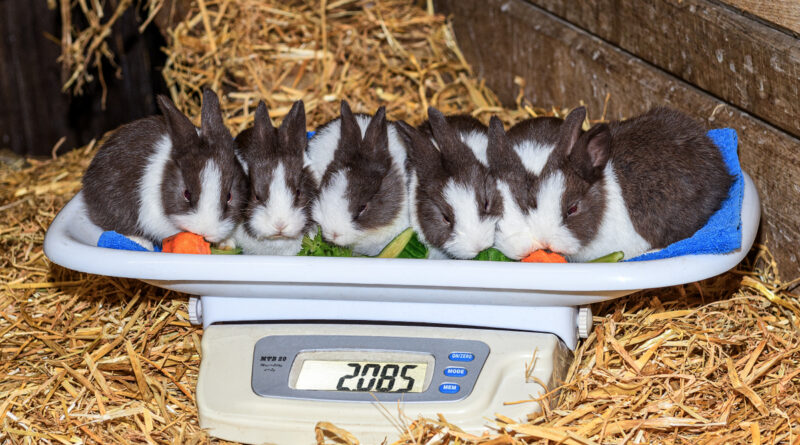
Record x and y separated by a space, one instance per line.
367 343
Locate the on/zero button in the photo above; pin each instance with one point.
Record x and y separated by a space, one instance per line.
461 356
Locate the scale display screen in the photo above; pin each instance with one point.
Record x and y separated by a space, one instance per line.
367 376
366 368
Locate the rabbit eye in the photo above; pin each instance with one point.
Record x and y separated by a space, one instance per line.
572 209
229 197
362 209
187 195
446 220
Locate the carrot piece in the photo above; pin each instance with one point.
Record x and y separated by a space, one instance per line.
186 242
543 256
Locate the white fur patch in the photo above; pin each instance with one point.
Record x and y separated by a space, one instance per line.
616 230
152 220
471 234
521 232
243 163
331 212
534 155
207 219
478 143
252 246
279 216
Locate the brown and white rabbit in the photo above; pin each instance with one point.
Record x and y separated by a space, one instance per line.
630 185
454 203
161 175
359 162
281 188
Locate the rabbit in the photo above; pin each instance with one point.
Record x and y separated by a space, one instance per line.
632 185
281 188
161 175
454 203
359 164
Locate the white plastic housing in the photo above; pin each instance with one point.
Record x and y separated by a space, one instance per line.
229 409
71 242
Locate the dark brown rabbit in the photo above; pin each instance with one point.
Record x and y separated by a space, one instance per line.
281 188
454 203
630 185
161 175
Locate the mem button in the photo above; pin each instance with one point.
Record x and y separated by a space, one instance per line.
461 356
449 388
455 371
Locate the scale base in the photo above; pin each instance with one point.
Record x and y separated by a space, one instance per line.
229 409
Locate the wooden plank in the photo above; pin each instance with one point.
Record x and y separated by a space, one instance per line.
736 58
784 13
564 65
35 114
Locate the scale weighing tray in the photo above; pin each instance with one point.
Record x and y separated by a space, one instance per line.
513 308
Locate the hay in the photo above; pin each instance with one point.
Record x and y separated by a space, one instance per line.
93 359
388 53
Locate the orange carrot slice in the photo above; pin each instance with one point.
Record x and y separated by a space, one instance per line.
186 242
543 256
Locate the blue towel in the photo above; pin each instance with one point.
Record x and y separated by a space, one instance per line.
723 232
114 240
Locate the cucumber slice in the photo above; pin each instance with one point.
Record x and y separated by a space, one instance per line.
414 249
234 251
492 254
397 244
612 257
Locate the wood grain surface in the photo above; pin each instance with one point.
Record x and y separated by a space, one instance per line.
564 65
736 58
784 13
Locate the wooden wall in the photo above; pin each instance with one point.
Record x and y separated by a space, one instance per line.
705 58
35 113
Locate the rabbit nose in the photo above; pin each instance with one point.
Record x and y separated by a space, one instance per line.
280 226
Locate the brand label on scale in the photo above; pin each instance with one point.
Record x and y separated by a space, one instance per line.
362 368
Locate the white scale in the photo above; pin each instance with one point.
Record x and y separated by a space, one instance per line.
290 341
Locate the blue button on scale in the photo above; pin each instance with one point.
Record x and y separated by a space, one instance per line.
449 388
462 356
455 371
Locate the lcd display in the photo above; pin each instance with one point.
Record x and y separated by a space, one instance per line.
364 376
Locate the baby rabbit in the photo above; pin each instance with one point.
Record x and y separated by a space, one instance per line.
161 175
359 163
630 185
277 214
454 202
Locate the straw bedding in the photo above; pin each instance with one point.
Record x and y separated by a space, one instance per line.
92 359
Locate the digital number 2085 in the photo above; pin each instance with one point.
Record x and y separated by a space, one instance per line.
374 377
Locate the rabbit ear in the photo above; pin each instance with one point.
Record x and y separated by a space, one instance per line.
571 130
179 126
350 138
446 138
211 118
376 137
591 151
422 155
502 158
262 126
292 132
